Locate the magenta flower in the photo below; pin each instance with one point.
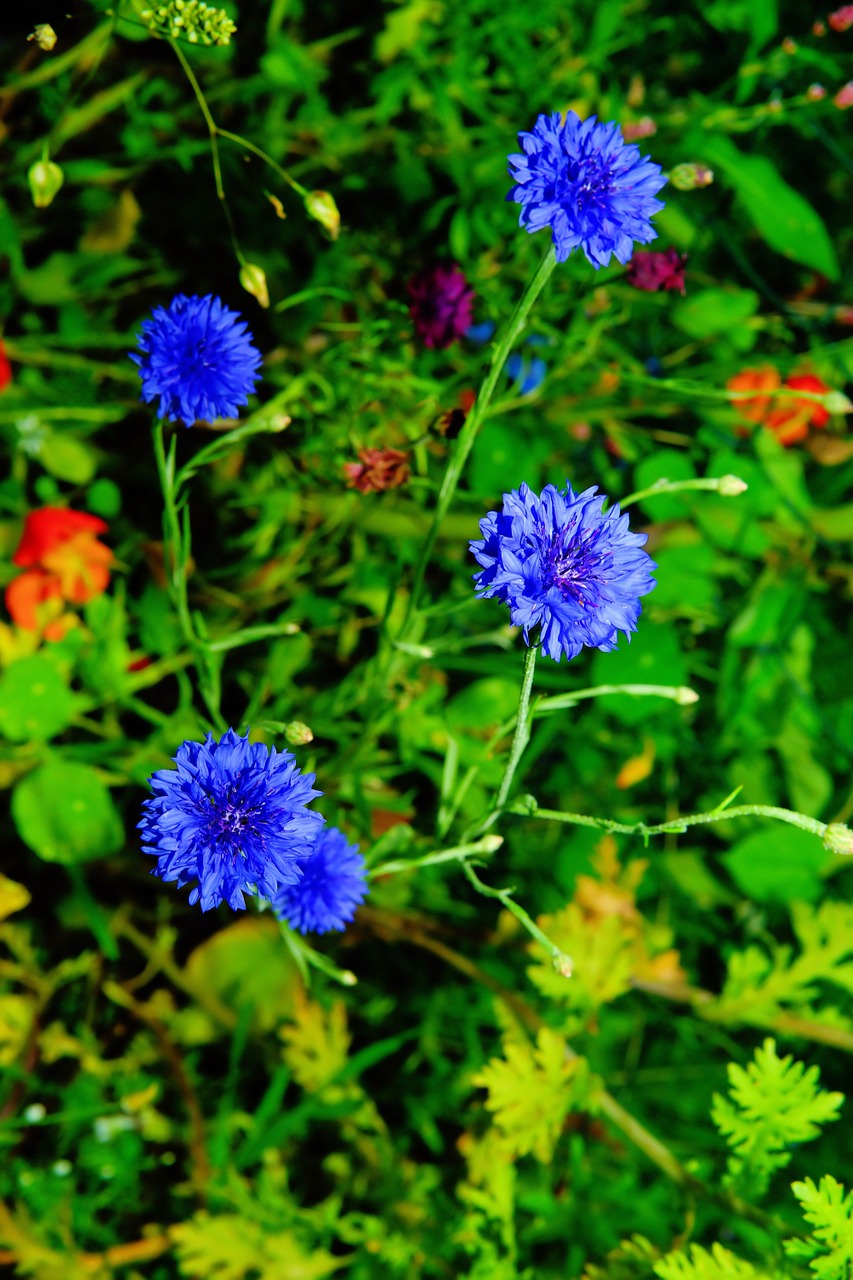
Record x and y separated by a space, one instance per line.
652 271
442 305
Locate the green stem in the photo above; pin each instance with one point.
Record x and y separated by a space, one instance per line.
476 416
176 553
488 845
528 808
213 131
726 486
561 962
521 737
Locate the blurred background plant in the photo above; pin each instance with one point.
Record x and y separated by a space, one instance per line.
177 1099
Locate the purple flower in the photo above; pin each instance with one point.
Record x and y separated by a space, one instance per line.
232 817
563 565
442 305
332 885
582 180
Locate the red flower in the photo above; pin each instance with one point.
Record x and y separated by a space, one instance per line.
5 368
377 469
63 560
652 271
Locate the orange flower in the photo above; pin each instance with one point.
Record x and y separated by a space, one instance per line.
762 383
790 422
63 561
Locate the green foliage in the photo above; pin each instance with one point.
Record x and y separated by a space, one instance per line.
188 1094
829 1212
532 1090
697 1263
773 1102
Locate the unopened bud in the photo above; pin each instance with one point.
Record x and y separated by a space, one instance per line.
837 402
44 36
190 20
838 838
731 486
254 281
45 179
297 734
815 92
685 696
689 177
321 206
563 964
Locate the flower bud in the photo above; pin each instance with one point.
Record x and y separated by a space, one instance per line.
731 486
45 179
44 36
297 734
838 838
687 177
815 92
837 402
321 206
686 696
254 281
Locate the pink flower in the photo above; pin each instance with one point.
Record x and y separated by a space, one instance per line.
652 271
642 128
844 97
842 19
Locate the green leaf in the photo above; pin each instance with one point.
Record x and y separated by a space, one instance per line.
652 657
65 814
665 464
35 702
67 458
719 311
784 218
778 864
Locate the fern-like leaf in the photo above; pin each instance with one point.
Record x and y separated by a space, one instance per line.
697 1263
773 1102
829 1249
532 1090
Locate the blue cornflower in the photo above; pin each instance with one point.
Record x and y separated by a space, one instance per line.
332 885
563 565
233 817
594 191
198 358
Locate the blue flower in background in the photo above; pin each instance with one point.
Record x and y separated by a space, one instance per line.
592 189
563 565
198 358
333 883
232 817
529 371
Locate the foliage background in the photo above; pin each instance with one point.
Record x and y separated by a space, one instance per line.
176 1100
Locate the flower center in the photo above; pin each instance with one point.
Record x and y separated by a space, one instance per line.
585 185
572 563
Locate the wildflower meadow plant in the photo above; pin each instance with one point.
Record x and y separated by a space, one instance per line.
197 360
233 817
567 569
332 884
594 190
